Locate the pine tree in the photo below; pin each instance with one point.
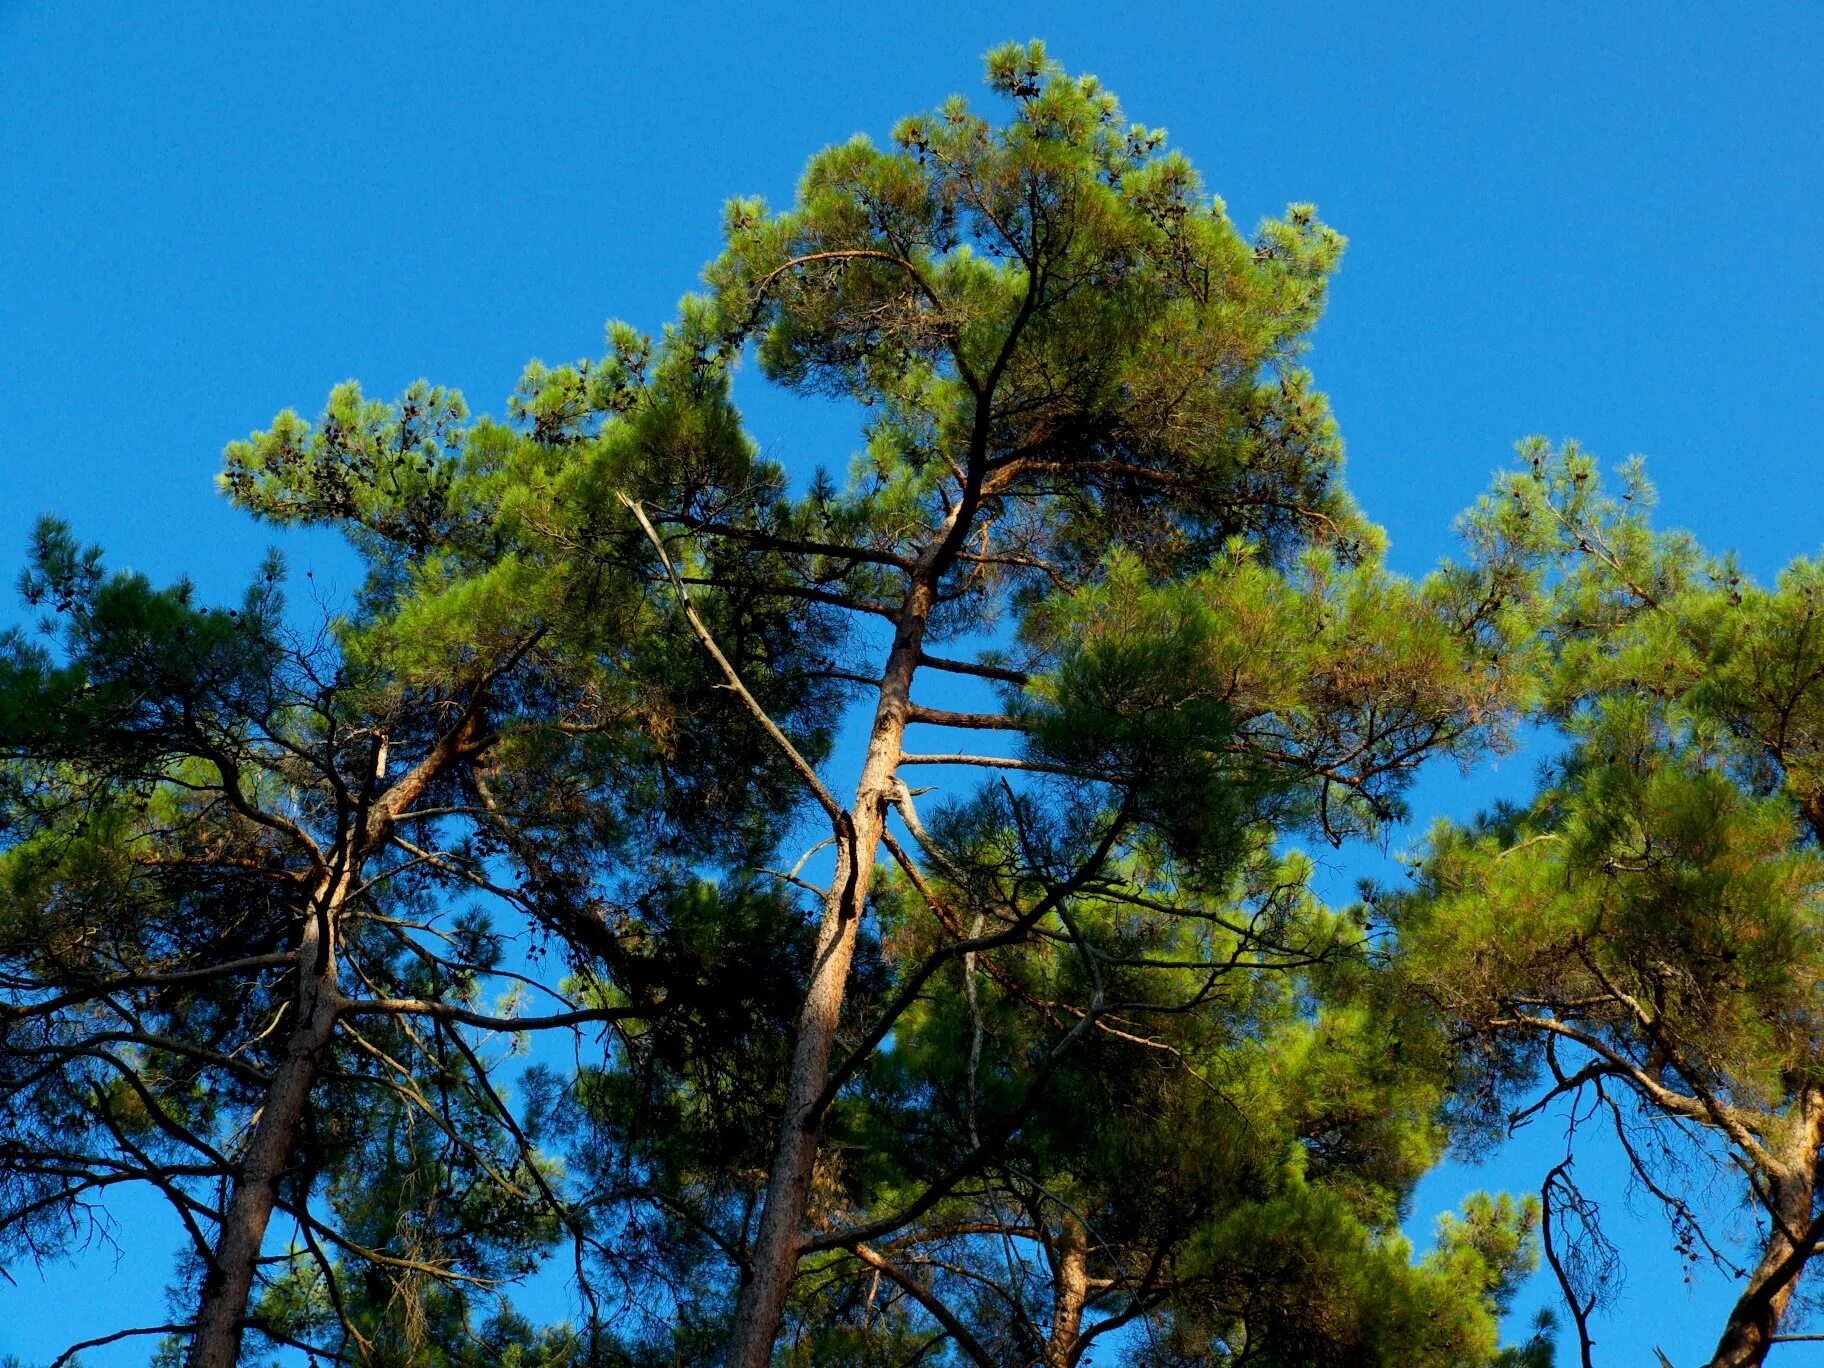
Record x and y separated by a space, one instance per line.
1093 461
1077 1022
1641 943
231 896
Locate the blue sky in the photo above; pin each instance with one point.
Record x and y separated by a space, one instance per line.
1584 220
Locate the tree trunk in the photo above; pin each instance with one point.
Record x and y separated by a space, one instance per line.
1070 1284
229 1282
761 1310
1755 1319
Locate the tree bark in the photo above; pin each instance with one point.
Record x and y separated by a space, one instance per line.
1756 1316
222 1311
762 1305
1070 1291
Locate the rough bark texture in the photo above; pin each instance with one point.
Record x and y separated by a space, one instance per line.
1755 1319
222 1311
1070 1292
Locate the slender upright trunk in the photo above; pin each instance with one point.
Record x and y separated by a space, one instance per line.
1070 1291
229 1283
1756 1316
762 1305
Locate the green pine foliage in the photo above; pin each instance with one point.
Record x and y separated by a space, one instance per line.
1641 943
1067 1063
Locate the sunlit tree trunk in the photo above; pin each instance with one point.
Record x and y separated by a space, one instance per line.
763 1298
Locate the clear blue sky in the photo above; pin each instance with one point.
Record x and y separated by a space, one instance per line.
1588 220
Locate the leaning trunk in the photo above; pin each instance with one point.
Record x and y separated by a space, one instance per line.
1756 1316
762 1306
229 1282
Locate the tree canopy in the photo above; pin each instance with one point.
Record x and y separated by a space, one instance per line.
506 918
1642 939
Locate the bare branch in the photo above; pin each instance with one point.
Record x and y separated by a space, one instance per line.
449 1011
161 979
971 667
926 1298
1001 762
939 717
100 1340
825 799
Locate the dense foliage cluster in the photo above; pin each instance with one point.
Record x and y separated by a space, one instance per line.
502 931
